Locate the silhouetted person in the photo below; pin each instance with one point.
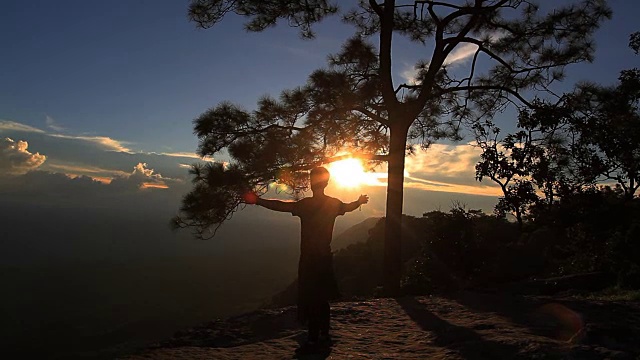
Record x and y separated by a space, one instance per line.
316 281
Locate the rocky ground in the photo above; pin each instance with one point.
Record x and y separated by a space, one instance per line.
462 326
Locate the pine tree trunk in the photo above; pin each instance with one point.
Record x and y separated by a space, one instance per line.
393 222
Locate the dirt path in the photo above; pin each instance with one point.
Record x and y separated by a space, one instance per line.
467 326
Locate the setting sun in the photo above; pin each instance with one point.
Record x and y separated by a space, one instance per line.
347 173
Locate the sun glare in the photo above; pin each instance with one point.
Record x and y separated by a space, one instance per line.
347 173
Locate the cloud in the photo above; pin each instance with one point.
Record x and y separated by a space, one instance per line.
100 157
104 142
142 178
460 54
6 125
465 51
441 168
15 159
410 74
480 189
51 124
447 168
180 154
85 170
184 154
137 189
445 160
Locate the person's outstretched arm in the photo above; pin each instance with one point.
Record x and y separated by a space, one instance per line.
363 199
276 205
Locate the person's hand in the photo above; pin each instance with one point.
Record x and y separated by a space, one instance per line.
250 198
363 199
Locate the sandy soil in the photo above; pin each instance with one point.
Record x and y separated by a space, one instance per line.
464 326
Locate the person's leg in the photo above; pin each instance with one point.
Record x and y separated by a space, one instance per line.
325 318
314 322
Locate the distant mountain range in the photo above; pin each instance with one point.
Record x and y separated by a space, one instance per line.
356 234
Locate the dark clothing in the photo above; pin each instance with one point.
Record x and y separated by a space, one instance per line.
319 318
317 217
316 285
316 281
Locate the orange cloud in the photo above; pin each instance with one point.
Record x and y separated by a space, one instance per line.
149 185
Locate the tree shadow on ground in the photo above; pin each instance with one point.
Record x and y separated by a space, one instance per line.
613 325
533 313
468 343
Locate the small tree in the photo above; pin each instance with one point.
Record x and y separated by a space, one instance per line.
534 158
588 136
634 42
608 120
611 131
355 102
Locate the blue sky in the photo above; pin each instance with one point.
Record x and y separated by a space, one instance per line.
99 87
138 71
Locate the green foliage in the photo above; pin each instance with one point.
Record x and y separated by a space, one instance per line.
596 230
634 42
263 13
614 293
462 248
217 193
588 136
537 158
441 251
592 230
610 130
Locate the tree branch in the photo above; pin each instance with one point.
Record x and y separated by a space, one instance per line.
372 115
374 5
487 87
386 33
468 10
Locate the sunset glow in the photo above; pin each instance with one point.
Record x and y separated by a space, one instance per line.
348 173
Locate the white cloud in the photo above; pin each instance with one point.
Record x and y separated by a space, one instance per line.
461 53
465 51
444 160
6 125
100 157
75 170
410 75
104 142
184 154
479 189
142 178
52 124
447 168
15 159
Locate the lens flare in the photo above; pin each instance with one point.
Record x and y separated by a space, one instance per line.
348 173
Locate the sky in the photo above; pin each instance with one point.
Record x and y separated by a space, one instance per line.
97 101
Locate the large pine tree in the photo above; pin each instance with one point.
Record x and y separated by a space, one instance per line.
515 49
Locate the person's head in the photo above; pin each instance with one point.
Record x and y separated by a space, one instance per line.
319 178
